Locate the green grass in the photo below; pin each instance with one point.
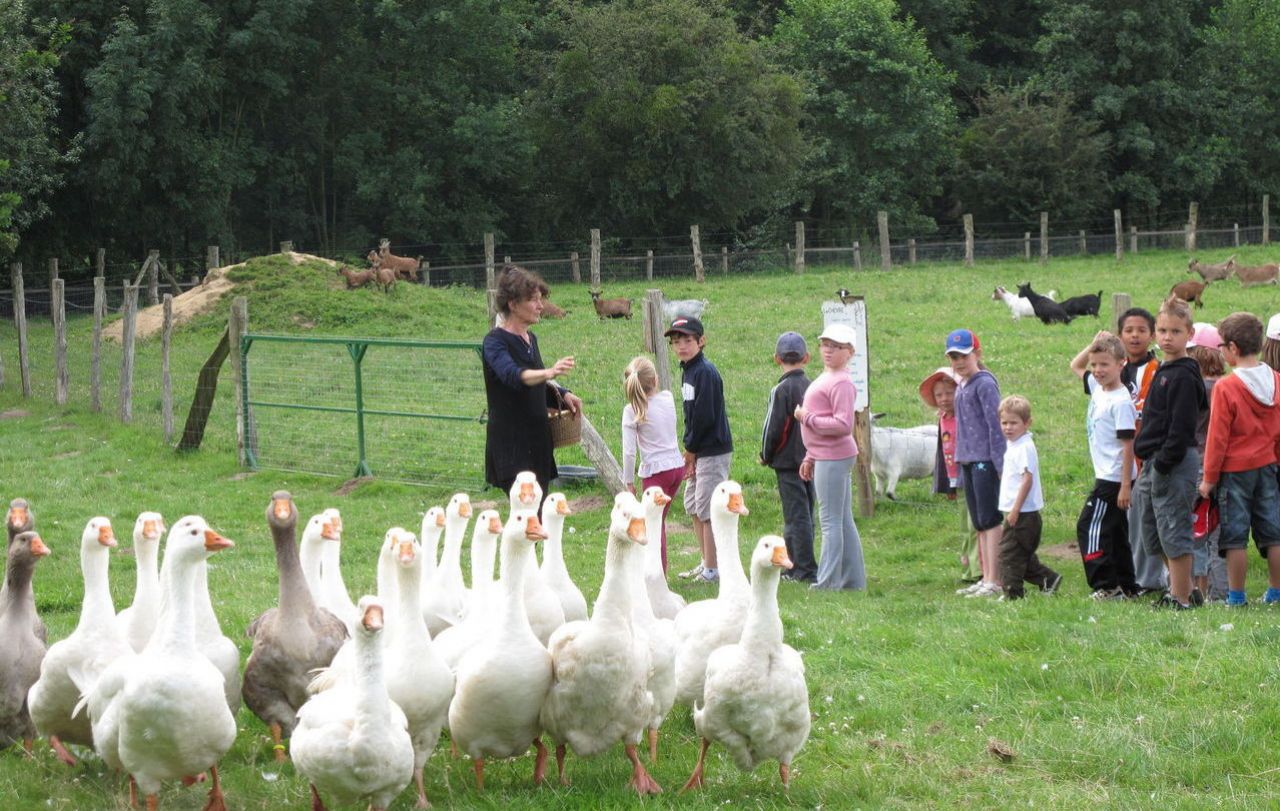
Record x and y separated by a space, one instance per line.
1112 705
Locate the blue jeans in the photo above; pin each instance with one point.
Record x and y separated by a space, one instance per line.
1249 499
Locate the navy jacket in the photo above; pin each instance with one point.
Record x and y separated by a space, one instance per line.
517 436
781 447
1171 414
706 423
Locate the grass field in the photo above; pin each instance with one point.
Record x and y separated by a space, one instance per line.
1111 705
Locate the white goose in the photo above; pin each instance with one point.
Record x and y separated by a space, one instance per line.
756 701
503 680
388 589
444 599
161 715
599 690
139 619
554 572
660 633
665 602
72 665
214 644
352 742
318 531
432 527
456 640
333 589
542 604
707 624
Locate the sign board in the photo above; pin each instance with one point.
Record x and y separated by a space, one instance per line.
853 314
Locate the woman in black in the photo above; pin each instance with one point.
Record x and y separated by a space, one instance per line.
518 436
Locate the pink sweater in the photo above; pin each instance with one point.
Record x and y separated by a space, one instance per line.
827 429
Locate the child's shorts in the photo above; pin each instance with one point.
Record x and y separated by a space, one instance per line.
1246 499
708 472
982 494
1167 503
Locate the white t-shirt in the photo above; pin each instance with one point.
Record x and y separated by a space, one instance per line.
655 438
1019 456
1111 413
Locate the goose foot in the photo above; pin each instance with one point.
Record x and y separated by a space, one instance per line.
27 744
641 780
653 745
133 792
423 802
539 762
61 751
478 765
153 802
695 779
453 750
216 801
277 743
784 771
560 752
317 804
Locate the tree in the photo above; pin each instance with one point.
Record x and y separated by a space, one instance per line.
655 114
877 107
1025 153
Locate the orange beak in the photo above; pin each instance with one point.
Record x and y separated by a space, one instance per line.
464 509
495 526
105 536
17 516
736 505
38 548
440 519
330 532
635 530
283 508
149 530
533 530
372 618
526 493
337 523
662 499
562 508
406 552
780 557
214 542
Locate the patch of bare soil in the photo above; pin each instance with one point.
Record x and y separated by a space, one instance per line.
1067 550
351 484
14 414
586 504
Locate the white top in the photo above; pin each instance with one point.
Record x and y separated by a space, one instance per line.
655 437
1110 414
1019 456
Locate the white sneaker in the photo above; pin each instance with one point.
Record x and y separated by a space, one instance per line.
986 590
971 588
694 572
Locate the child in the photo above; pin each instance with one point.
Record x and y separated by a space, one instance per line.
649 424
1166 444
979 452
1021 499
1271 346
826 426
782 449
1102 532
1241 454
708 445
1137 327
1208 570
938 390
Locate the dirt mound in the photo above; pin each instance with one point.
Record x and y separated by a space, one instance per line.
194 302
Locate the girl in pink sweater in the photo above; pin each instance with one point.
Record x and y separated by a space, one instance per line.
826 425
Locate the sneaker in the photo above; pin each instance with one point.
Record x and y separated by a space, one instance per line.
986 590
1101 595
1051 587
971 588
1169 601
705 577
694 572
1197 599
1234 604
1272 597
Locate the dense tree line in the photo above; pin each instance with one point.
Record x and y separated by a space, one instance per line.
180 123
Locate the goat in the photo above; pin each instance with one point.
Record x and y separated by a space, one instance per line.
1190 291
357 278
404 267
1213 273
901 453
1018 306
611 307
551 310
1083 305
385 278
1046 309
1262 274
689 307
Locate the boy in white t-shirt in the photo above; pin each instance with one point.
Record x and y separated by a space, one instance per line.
1102 532
1021 500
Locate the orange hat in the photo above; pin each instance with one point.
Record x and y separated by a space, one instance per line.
926 388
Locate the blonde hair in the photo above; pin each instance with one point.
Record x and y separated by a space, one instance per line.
639 380
1108 344
1017 405
1175 307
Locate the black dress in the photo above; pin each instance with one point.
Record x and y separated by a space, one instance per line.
517 436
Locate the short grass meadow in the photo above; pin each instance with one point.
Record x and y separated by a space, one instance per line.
1102 705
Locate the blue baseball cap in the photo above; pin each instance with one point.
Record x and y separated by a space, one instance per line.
963 341
789 342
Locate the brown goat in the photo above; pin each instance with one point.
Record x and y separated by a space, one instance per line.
611 307
551 310
385 278
1190 292
404 267
1213 273
357 278
1262 274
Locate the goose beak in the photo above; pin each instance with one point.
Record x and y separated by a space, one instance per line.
17 516
662 499
439 519
533 530
38 548
495 526
464 509
372 619
330 532
635 530
105 536
736 505
562 508
282 507
526 493
780 557
150 531
406 552
214 542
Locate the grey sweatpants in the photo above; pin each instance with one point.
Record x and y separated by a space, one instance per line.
840 564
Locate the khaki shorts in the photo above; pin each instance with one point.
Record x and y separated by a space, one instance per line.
708 472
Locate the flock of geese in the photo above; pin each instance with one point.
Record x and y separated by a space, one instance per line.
361 691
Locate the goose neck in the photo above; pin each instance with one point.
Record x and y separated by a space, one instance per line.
176 627
18 604
552 547
614 601
482 555
515 558
148 588
763 627
331 567
372 705
295 597
409 604
724 530
310 559
97 592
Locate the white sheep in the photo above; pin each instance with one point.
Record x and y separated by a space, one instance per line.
901 453
688 307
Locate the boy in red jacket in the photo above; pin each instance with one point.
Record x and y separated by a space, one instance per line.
1240 456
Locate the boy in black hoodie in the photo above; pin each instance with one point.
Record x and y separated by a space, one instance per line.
1167 446
782 449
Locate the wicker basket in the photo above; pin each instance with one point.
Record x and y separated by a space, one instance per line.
566 429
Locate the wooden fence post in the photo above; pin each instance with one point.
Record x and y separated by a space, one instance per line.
575 269
968 240
1193 216
100 267
237 326
128 327
166 382
882 222
655 325
1044 237
20 323
1026 244
699 272
53 272
1119 303
426 273
724 259
648 265
595 259
95 368
1266 219
1133 239
153 277
857 255
911 251
58 293
490 285
212 259
286 246
1084 242
1119 234
862 464
799 246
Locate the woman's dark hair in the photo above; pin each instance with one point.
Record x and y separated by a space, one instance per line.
516 284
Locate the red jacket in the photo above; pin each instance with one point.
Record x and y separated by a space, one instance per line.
1244 434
